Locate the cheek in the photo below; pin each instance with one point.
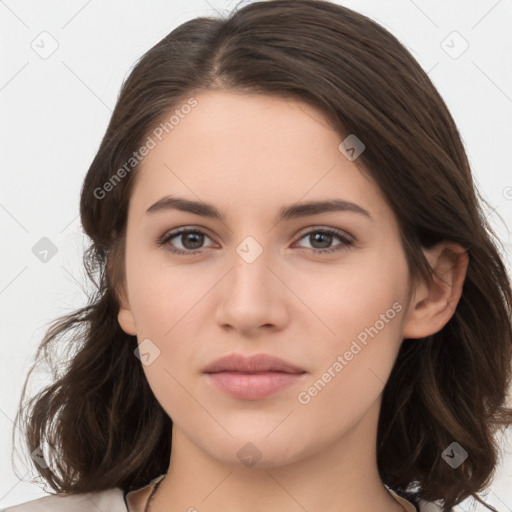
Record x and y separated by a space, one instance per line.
162 300
349 370
363 306
354 298
162 293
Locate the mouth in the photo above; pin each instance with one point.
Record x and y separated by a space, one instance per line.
254 377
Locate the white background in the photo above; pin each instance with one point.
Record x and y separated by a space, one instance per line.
55 111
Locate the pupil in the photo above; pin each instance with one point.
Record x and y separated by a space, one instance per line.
327 238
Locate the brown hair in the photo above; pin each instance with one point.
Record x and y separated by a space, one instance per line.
100 415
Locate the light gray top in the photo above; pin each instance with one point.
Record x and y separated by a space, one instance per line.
112 500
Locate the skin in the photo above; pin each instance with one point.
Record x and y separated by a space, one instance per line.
250 155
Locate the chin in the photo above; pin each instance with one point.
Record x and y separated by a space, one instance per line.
257 451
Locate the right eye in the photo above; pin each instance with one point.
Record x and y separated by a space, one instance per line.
191 241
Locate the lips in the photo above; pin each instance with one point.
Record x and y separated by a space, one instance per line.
254 377
252 364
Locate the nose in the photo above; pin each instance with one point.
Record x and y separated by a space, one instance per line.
252 296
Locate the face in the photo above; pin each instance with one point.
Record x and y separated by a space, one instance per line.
323 289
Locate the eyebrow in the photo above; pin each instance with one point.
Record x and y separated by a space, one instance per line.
288 212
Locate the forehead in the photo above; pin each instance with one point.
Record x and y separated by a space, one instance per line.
257 147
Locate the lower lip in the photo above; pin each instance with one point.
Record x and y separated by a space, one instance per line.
253 386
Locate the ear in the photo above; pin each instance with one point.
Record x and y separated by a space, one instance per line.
432 306
125 317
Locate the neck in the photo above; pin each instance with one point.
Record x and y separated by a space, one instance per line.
340 477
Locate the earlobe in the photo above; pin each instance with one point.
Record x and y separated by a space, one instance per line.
126 321
125 316
433 305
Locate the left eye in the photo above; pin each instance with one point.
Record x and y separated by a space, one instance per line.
324 237
192 240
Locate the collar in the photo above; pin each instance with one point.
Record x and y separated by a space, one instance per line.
135 500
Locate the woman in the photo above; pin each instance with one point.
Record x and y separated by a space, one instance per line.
297 290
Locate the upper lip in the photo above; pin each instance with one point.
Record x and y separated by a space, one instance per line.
250 364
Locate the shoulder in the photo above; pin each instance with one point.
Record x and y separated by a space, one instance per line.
428 506
411 502
110 499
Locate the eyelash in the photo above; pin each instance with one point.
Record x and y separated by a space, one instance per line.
346 242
